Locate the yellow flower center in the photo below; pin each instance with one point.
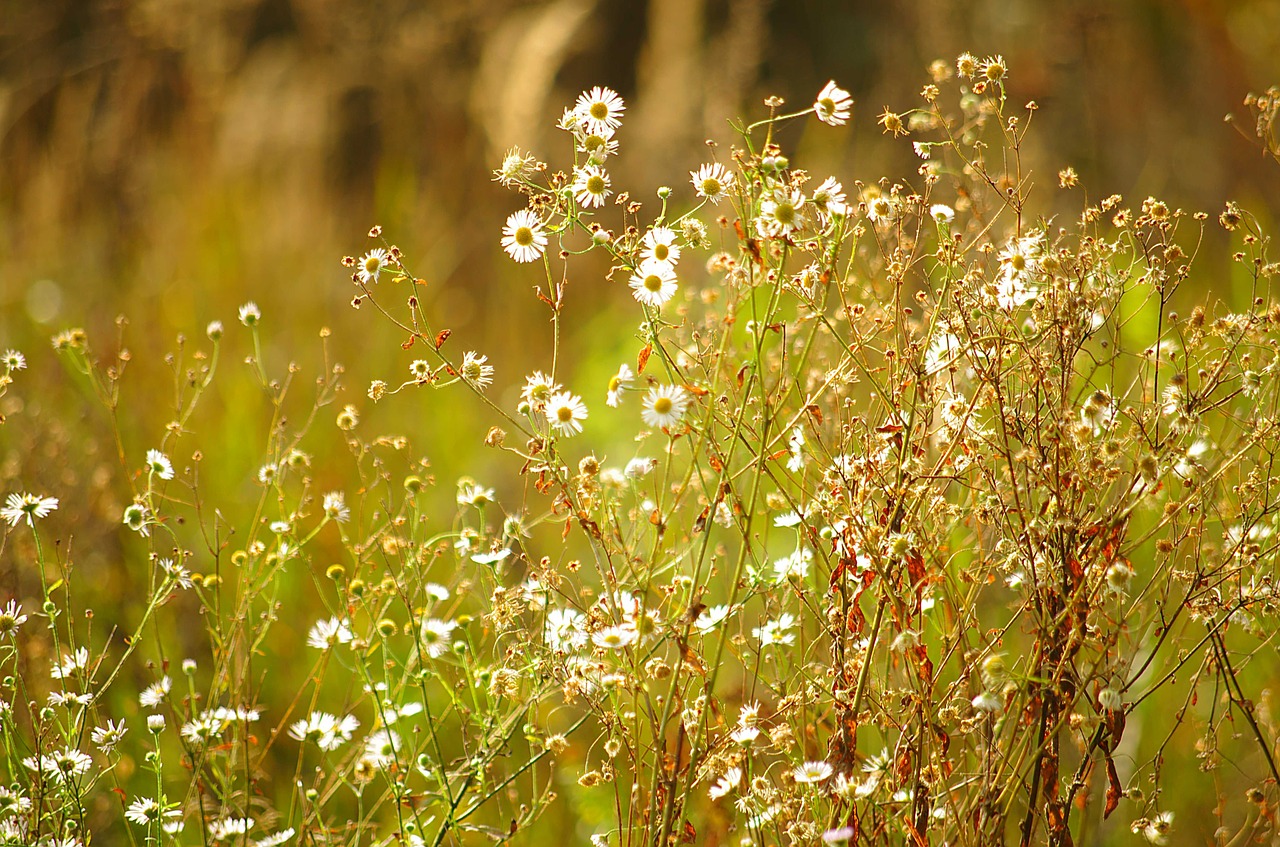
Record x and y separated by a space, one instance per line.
660 252
827 105
599 110
372 264
524 236
595 184
662 405
653 283
785 213
711 186
564 414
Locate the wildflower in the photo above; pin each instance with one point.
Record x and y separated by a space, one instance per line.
712 618
324 730
330 633
72 664
881 209
523 237
154 694
1119 576
275 838
994 69
105 738
599 110
781 214
143 811
380 748
598 142
348 418
744 736
11 618
471 494
618 383
420 370
13 360
776 631
591 186
812 773
224 828
566 412
615 637
727 783
28 506
335 507
214 330
967 65
1156 830
653 283
517 167
664 406
476 370
711 182
942 213
565 629
794 566
434 636
829 197
250 314
833 104
638 467
155 723
986 702
1021 257
1110 699
13 802
372 264
538 388
64 765
840 835
795 449
659 245
158 463
892 123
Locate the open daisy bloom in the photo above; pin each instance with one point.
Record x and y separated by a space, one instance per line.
833 105
599 110
665 405
653 283
566 412
523 237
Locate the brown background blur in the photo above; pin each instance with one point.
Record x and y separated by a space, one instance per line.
170 159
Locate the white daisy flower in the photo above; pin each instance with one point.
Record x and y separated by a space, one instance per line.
435 635
335 507
653 283
566 629
523 237
11 618
812 773
659 245
776 631
72 664
591 186
615 637
597 142
727 783
881 209
781 214
538 388
566 412
13 360
618 383
712 618
27 506
712 181
380 748
476 370
833 105
829 197
154 694
599 109
158 463
372 264
330 633
664 406
942 213
250 314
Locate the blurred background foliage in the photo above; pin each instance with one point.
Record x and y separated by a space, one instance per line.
168 160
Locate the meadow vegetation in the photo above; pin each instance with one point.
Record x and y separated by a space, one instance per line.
913 514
